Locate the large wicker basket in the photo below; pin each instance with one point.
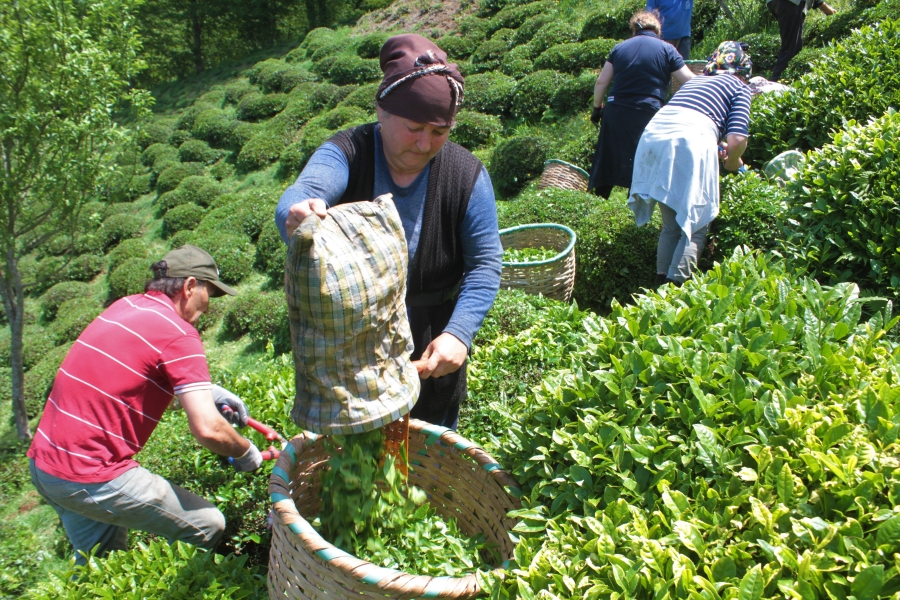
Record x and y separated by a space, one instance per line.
696 67
461 480
560 174
554 277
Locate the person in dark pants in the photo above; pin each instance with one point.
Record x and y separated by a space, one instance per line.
640 70
791 15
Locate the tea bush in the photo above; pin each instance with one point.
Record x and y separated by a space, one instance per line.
199 189
369 46
187 117
512 312
614 257
841 220
262 149
245 215
232 252
554 33
534 93
611 23
179 136
277 76
362 97
349 68
214 126
152 132
127 185
263 316
129 277
133 248
236 90
170 178
457 47
198 151
487 56
526 31
515 15
574 95
515 161
518 62
295 156
271 252
116 228
243 133
474 129
490 93
59 293
156 151
764 48
255 107
182 570
186 216
72 317
36 343
82 268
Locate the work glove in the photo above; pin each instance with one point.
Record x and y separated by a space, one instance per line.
596 114
230 406
250 461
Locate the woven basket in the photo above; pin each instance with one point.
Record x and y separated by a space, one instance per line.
560 174
554 277
461 480
696 67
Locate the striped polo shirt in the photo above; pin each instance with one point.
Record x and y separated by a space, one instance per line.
113 387
723 98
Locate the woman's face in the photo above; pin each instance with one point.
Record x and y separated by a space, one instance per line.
409 145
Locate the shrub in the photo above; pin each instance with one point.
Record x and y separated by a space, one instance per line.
457 47
474 129
576 145
322 66
525 32
295 156
126 185
489 93
513 311
350 68
72 317
186 216
611 23
244 216
514 16
534 93
133 248
263 149
318 96
843 206
83 267
36 343
59 293
198 151
858 66
130 277
518 62
199 189
143 571
263 316
363 97
254 107
170 177
116 228
169 200
271 252
275 75
488 55
243 133
554 33
221 170
369 46
39 378
473 28
233 253
341 117
751 209
236 90
214 126
575 95
315 39
187 117
152 132
614 257
764 48
158 151
573 57
515 161
329 50
213 314
179 136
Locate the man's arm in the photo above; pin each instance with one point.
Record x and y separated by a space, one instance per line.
209 427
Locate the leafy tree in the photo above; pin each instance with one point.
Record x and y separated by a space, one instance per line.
64 71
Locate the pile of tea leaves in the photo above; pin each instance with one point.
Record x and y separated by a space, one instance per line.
370 511
521 255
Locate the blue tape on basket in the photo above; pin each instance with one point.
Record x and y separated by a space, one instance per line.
463 445
302 526
332 553
435 587
491 467
292 453
281 474
534 263
417 463
434 432
375 576
280 498
422 452
505 564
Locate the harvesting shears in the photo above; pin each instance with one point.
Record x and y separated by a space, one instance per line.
270 434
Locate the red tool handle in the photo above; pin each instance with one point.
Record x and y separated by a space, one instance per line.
271 454
267 431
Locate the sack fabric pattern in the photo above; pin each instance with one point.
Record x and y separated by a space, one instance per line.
346 287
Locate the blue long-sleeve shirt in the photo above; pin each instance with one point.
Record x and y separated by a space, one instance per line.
326 176
676 17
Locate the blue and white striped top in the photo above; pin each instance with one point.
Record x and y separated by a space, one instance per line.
723 98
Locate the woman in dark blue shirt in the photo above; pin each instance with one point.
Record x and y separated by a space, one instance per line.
640 70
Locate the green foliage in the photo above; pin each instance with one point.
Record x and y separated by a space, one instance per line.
156 152
129 277
534 93
841 220
349 68
82 268
515 161
751 210
513 312
236 90
173 174
180 136
116 228
243 133
487 56
552 34
133 248
254 107
474 129
313 135
214 126
318 96
59 293
369 46
152 132
198 151
270 252
764 48
186 216
574 95
263 316
863 66
611 23
514 15
614 257
199 189
20 558
724 451
262 149
244 214
362 97
39 378
36 340
490 93
518 62
457 47
277 76
232 252
72 316
181 570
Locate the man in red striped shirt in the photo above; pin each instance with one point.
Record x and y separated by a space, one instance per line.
109 395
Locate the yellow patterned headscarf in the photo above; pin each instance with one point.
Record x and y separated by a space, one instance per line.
730 57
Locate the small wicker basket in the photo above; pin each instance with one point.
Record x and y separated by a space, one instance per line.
554 277
560 174
461 480
696 67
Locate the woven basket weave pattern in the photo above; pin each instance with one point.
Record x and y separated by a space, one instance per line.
462 482
562 175
553 279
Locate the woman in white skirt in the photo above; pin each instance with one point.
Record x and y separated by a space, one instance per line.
677 159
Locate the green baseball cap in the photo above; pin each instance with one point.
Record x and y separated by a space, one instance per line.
191 261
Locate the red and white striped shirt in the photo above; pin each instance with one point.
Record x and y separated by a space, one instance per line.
113 387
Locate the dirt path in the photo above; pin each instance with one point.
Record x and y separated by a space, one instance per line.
431 18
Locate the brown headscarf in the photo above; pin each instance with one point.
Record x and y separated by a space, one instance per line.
419 84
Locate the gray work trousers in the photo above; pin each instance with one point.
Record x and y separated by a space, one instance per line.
676 255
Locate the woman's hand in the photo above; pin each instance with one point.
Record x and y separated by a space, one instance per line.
301 210
444 355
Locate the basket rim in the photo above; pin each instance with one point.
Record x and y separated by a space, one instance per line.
314 543
534 263
568 164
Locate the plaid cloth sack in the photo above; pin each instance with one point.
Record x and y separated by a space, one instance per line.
345 281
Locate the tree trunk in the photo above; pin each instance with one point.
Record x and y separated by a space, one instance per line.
14 304
197 28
